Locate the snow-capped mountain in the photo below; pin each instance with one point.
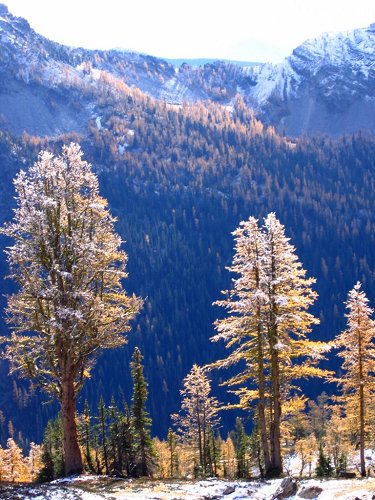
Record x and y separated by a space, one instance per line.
327 85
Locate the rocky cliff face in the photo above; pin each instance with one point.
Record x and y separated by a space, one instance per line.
326 86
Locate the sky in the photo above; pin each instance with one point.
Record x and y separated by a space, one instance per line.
243 30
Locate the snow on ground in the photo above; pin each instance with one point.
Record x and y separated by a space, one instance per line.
343 489
100 487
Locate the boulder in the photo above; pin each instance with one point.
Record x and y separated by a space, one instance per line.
310 492
287 488
228 490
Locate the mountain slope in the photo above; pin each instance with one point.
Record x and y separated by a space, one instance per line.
179 185
179 178
326 85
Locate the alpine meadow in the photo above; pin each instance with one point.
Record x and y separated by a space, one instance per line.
187 271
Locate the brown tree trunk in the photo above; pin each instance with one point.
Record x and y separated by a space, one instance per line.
204 464
276 467
102 418
362 430
72 453
262 390
262 407
263 434
361 411
199 429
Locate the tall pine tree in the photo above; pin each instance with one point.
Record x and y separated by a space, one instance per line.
357 345
267 326
68 264
141 422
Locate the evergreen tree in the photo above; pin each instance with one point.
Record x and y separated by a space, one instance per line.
86 433
214 452
141 421
68 264
267 326
173 458
255 448
114 438
358 353
324 467
52 452
2 428
241 442
127 441
102 425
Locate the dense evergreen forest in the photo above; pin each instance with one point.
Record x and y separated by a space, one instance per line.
179 180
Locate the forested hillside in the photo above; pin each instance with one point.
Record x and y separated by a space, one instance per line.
180 179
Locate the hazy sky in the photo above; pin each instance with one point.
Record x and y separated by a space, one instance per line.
250 30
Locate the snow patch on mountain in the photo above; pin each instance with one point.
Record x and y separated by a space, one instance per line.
327 85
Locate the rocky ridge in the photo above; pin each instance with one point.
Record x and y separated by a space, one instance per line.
327 85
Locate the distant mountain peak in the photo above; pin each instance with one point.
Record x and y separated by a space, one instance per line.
4 12
327 85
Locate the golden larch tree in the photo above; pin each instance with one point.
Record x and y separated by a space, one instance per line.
68 264
267 326
357 381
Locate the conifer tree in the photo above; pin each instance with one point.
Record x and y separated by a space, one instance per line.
141 421
3 468
87 437
241 443
127 441
337 439
67 261
305 448
114 438
198 415
319 416
102 425
255 448
267 326
161 462
52 452
357 345
213 453
34 461
2 428
228 458
173 459
324 466
14 462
